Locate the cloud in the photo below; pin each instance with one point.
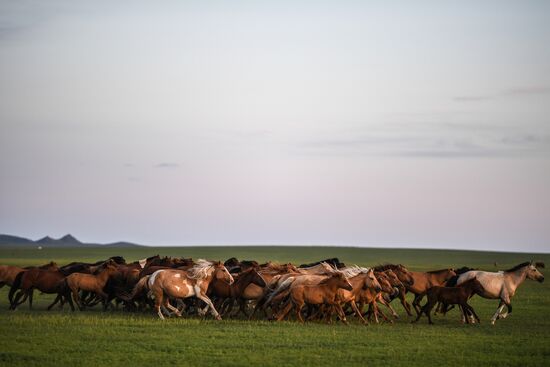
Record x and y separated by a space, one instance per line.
166 165
519 91
447 141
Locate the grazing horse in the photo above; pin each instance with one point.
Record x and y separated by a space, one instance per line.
323 293
77 282
170 283
452 296
503 284
424 281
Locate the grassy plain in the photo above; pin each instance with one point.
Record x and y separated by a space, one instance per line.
115 338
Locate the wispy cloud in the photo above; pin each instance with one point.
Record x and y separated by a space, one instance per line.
166 165
443 141
519 91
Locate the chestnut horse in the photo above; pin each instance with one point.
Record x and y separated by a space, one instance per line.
46 281
323 293
77 282
406 279
170 283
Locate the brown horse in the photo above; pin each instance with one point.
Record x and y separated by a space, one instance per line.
226 294
406 279
324 293
424 281
170 283
8 273
453 296
46 281
77 282
360 279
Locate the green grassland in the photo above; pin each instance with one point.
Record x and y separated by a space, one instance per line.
115 338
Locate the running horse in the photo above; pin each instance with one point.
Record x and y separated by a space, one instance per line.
424 281
503 284
170 283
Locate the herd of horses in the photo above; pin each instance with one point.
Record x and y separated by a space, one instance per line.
322 290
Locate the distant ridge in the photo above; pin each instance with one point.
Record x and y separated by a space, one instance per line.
68 240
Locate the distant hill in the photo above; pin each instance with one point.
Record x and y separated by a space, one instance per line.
66 241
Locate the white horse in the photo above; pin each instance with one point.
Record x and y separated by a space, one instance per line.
503 284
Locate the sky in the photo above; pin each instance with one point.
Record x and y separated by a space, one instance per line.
346 123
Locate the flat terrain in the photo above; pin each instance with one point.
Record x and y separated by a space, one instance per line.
116 338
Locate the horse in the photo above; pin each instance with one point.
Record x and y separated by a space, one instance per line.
8 273
228 293
424 281
360 279
46 281
323 293
452 296
503 284
406 279
166 283
451 283
77 282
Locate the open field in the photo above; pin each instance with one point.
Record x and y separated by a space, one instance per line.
115 338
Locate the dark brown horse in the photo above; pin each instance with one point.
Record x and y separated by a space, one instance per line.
452 296
226 294
424 281
46 281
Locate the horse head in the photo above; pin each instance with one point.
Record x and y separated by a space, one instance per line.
533 273
221 272
404 275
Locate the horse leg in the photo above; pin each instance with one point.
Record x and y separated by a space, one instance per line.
472 312
56 300
497 314
358 313
204 298
285 310
15 302
341 313
416 302
298 309
388 305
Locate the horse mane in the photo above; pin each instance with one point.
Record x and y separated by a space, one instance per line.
201 269
437 271
517 267
383 267
353 271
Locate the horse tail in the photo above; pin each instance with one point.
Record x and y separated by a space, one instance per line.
16 285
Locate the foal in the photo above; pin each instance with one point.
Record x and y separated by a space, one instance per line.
92 283
452 296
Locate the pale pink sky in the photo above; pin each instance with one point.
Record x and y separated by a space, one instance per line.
339 123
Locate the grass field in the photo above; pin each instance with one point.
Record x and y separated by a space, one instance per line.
116 338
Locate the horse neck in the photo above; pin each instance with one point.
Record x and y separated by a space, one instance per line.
440 278
103 276
516 278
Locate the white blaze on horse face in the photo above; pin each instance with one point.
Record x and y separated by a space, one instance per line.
142 263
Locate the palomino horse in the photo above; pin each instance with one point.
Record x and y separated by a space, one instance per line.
169 283
503 284
424 281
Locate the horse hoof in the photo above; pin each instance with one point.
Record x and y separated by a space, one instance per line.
218 317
